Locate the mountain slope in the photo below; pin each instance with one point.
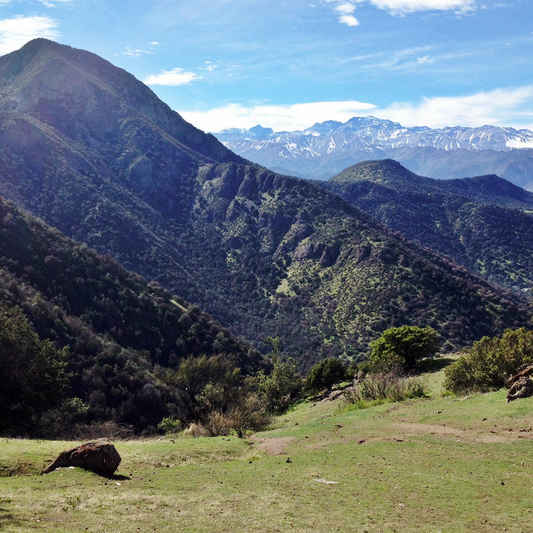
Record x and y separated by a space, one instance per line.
263 253
484 223
119 328
328 148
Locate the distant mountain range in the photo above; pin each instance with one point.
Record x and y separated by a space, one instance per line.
329 147
93 152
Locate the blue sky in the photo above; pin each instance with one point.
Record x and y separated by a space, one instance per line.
289 64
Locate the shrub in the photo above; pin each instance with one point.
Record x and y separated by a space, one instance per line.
283 386
169 425
214 399
402 348
202 385
248 415
325 374
385 386
489 362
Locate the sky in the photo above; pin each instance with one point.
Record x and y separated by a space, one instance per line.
287 64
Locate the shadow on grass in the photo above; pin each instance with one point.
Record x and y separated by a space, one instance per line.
118 477
7 519
113 477
434 365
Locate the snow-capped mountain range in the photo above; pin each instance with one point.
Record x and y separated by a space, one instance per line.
327 148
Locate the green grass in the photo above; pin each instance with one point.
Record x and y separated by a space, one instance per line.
440 464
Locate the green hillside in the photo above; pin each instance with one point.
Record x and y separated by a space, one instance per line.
483 223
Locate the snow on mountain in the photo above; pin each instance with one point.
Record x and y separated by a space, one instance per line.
326 148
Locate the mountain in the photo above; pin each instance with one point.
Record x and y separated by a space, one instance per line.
93 152
484 223
121 331
327 148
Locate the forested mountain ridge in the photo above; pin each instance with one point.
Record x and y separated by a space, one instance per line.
118 328
484 223
265 254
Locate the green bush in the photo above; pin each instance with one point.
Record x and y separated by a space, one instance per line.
490 362
282 387
401 348
325 374
389 386
169 425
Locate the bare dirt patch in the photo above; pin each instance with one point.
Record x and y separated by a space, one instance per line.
272 446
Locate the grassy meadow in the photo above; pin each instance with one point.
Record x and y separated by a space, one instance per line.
437 464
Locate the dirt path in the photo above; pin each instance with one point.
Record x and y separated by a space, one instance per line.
471 435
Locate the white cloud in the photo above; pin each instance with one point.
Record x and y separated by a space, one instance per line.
174 77
501 107
349 20
423 60
401 7
410 6
345 11
16 32
210 67
277 117
136 52
54 3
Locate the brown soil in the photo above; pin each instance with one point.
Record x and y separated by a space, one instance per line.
272 446
471 435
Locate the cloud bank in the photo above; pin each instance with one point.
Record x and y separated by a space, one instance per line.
399 7
410 6
16 32
501 107
277 117
54 3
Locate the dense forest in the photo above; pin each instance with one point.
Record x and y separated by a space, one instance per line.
109 333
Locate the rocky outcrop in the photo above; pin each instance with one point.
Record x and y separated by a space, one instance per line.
520 384
327 254
102 459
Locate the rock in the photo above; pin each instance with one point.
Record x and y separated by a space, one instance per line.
100 458
520 384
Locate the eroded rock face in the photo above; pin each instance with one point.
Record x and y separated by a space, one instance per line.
100 458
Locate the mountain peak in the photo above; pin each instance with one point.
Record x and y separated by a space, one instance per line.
380 170
260 132
82 95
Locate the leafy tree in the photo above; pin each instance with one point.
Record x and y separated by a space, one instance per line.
490 361
33 373
402 347
325 374
202 385
283 385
